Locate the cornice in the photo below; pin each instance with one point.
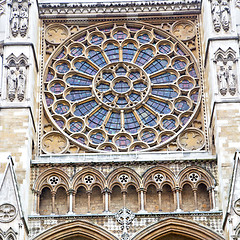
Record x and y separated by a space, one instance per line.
94 10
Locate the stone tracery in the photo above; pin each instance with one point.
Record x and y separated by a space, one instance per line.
122 88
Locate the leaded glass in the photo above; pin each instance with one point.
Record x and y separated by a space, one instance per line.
105 92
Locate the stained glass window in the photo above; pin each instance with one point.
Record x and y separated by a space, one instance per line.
144 56
114 123
128 52
85 67
77 80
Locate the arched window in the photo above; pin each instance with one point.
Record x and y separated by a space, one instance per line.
152 200
132 199
96 200
81 201
116 202
188 203
61 206
203 198
45 205
167 199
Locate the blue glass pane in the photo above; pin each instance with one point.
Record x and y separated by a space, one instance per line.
107 148
134 75
144 56
49 100
62 68
164 138
121 102
185 84
192 72
179 65
135 97
97 138
103 87
121 87
147 117
134 29
120 35
77 95
137 148
123 142
165 92
60 123
148 137
112 52
144 38
106 29
85 68
108 98
82 38
114 123
128 52
164 78
85 108
61 108
76 80
81 140
165 49
96 40
156 66
180 52
130 123
61 54
75 126
97 58
185 119
76 51
57 88
194 96
169 124
139 86
108 76
50 76
121 71
158 36
182 105
158 106
97 118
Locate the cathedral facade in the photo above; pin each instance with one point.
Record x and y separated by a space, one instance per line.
119 120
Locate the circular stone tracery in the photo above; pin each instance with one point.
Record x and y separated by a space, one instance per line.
121 88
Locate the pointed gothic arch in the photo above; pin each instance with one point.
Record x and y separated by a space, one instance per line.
76 228
180 227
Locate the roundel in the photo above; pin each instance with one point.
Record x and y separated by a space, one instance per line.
132 87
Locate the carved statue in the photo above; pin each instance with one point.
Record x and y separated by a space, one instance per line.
225 15
14 21
23 20
12 83
222 79
21 84
216 14
232 81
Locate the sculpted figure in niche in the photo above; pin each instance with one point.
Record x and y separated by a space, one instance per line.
12 83
14 21
21 84
222 81
216 13
225 15
23 20
232 81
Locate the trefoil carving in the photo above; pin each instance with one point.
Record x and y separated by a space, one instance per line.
16 76
226 71
19 17
220 15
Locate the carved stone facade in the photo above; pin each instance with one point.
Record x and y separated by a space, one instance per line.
119 120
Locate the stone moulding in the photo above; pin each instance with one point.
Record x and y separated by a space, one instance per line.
87 9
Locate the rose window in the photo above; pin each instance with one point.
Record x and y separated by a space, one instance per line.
121 88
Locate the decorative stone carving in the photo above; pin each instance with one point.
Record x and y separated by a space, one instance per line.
7 212
184 30
19 17
2 2
125 218
159 178
193 177
221 15
226 71
56 33
88 179
237 206
53 142
53 180
123 179
192 139
16 76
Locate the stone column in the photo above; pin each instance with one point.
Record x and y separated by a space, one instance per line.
195 199
106 192
70 194
177 190
37 202
159 200
142 200
124 192
89 201
53 201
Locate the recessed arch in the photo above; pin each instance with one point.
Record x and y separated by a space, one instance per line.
76 228
181 227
